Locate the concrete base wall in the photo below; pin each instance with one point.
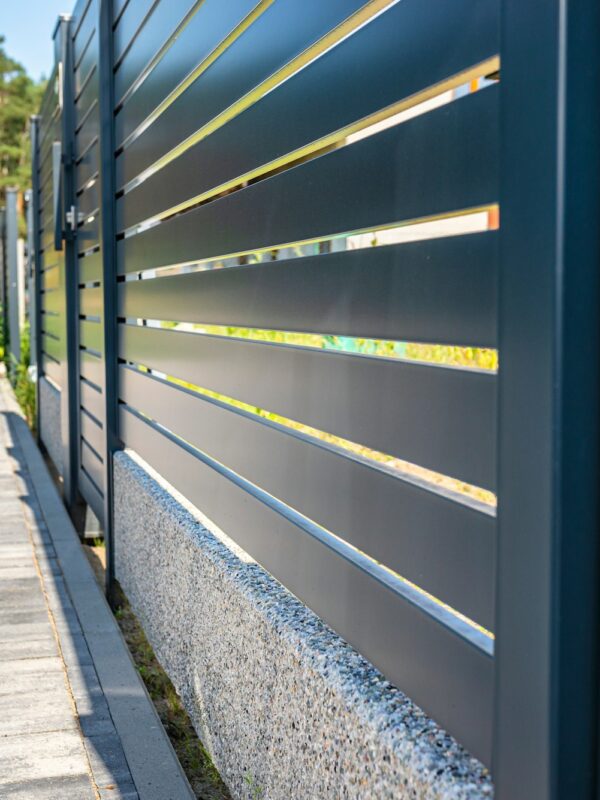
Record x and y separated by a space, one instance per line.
49 398
286 708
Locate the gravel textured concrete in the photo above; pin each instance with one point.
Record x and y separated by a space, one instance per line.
50 422
286 707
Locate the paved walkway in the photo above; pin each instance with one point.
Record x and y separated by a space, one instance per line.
73 722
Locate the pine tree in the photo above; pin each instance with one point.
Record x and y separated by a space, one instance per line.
20 97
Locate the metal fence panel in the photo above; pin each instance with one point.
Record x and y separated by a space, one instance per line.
384 130
286 137
273 202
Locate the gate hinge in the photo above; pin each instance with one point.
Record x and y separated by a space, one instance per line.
73 218
68 158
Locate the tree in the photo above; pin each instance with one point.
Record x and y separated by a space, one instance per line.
20 97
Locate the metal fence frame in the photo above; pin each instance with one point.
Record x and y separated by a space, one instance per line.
545 733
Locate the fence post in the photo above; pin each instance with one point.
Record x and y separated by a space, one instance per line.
70 391
35 313
547 630
109 278
12 262
30 271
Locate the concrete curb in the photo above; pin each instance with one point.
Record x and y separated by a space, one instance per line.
156 772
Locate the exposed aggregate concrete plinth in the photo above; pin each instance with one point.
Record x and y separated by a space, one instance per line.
285 706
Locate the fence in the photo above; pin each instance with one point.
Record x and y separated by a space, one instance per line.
243 213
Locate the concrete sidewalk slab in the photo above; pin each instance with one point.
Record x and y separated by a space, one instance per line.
75 718
45 766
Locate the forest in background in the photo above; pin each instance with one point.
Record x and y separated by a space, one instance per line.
20 97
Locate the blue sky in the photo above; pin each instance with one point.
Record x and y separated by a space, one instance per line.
27 26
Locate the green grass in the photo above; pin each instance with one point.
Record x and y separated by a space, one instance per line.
24 387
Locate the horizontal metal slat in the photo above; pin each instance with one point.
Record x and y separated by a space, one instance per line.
50 263
91 495
89 61
129 25
48 238
91 431
91 367
46 181
449 678
412 46
441 291
91 460
51 259
45 155
208 27
118 7
90 267
50 278
54 347
53 325
47 220
90 302
88 167
160 25
92 465
53 301
86 136
90 335
53 133
447 548
82 79
428 166
87 99
91 399
49 99
50 126
89 200
439 417
83 27
52 370
50 131
281 33
46 201
88 234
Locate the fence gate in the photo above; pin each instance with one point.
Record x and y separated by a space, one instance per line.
357 177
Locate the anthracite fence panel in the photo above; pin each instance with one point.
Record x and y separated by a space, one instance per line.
443 545
285 102
265 204
448 162
169 68
318 104
331 391
419 293
51 262
280 33
262 135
